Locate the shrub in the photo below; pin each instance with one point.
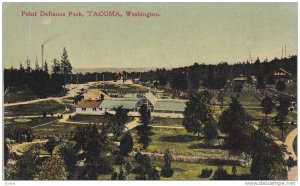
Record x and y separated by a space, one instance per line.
206 173
220 174
167 172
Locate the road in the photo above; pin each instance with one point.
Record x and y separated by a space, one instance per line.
73 90
293 173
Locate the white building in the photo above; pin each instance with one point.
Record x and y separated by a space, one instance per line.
158 107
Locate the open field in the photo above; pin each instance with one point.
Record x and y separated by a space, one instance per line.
57 129
183 170
182 143
30 122
246 98
88 118
110 88
50 106
166 121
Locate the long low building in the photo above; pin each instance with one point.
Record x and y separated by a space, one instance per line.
158 107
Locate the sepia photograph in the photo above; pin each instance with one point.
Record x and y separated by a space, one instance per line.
163 91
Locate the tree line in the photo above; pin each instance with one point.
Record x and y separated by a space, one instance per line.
39 80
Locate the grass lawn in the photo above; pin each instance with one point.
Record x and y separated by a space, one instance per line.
181 143
43 151
166 121
246 99
123 88
57 129
277 132
30 122
183 170
35 108
88 118
19 95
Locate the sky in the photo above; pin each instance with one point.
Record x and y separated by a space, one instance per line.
183 34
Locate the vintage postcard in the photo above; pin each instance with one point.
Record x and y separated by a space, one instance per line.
150 91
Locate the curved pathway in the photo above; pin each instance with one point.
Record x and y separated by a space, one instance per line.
292 174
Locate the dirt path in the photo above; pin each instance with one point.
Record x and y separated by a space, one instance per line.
293 173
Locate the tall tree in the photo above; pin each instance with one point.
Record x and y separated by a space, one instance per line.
144 130
280 86
56 67
198 113
66 66
267 106
68 154
233 122
167 170
126 144
51 144
267 158
118 121
280 118
94 147
210 132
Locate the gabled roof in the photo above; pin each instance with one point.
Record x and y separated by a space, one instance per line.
282 70
94 93
89 104
150 97
170 105
115 103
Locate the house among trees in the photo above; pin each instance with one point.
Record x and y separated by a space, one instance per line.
283 75
158 107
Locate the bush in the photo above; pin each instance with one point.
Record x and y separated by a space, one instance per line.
167 172
220 174
206 173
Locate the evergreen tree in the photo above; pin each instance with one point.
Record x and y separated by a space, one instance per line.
267 158
66 66
118 121
280 86
198 113
210 132
144 130
68 154
46 67
267 105
95 148
167 170
280 118
126 144
51 144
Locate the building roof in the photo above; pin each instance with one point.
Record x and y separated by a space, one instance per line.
89 104
94 93
240 78
150 97
170 105
282 70
115 103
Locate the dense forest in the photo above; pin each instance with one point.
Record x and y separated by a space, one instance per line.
210 76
